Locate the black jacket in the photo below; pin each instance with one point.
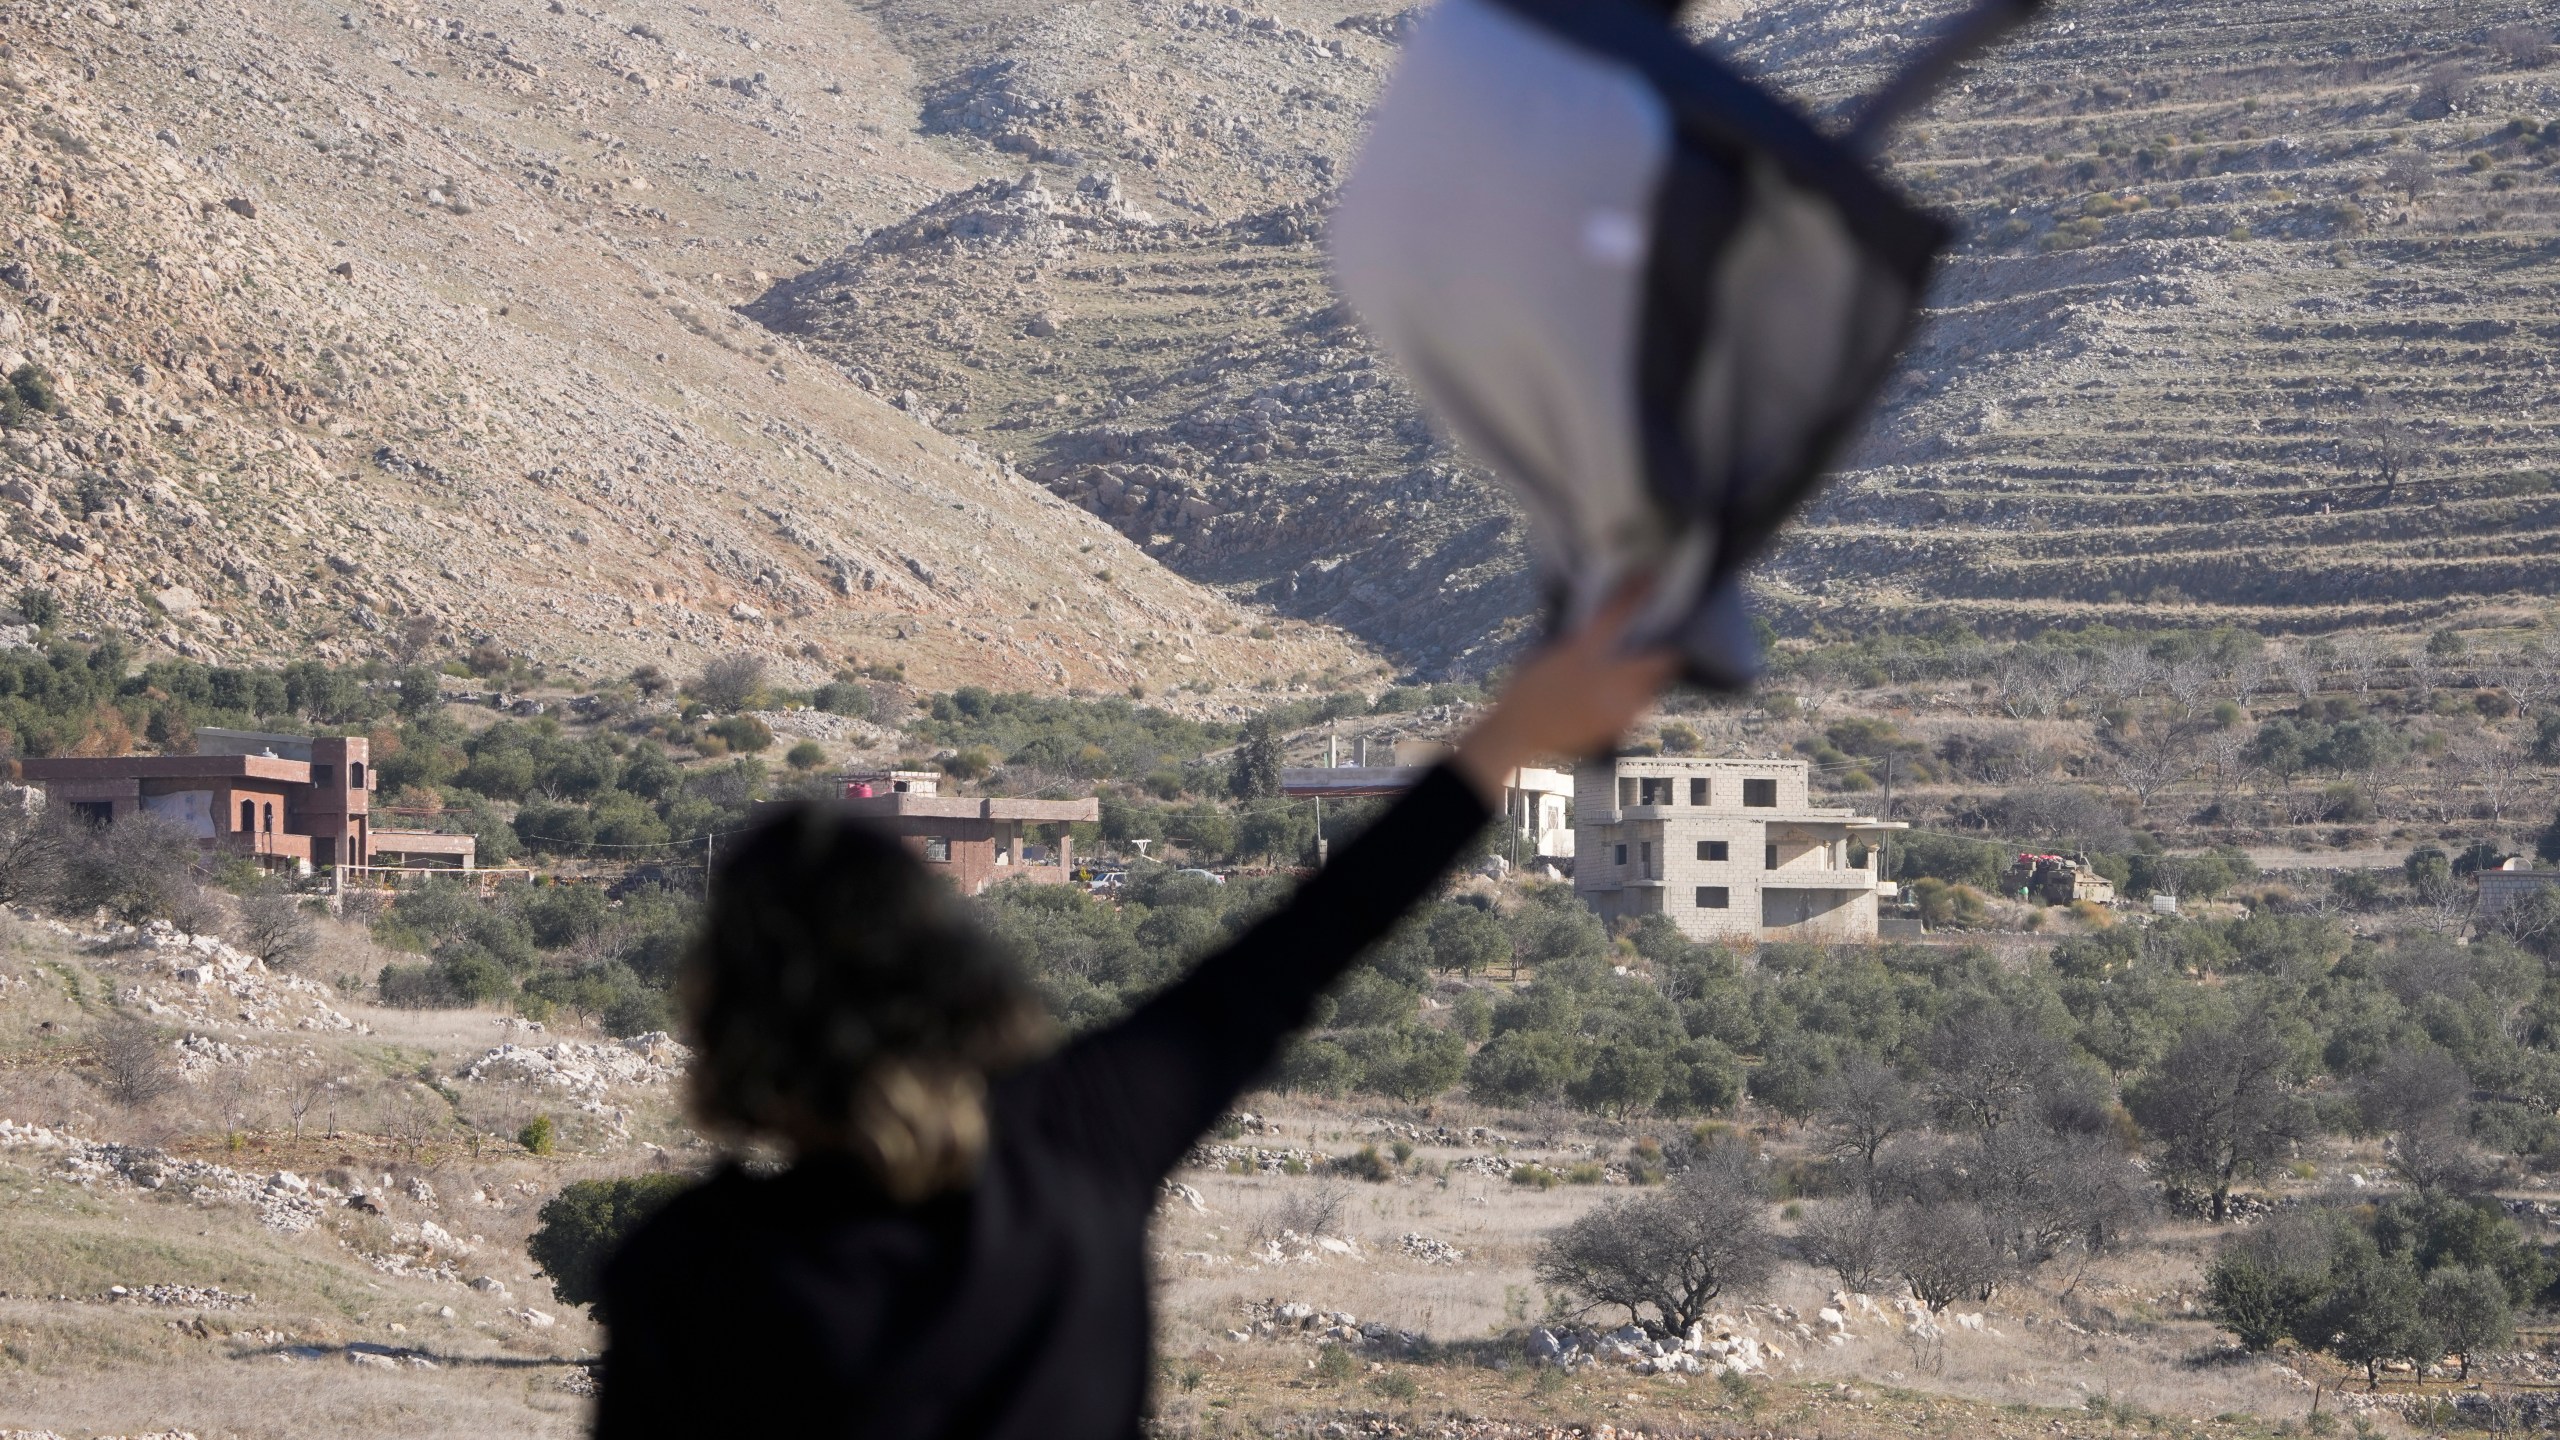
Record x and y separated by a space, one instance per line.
1017 1308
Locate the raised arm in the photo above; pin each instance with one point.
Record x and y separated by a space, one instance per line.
1135 1096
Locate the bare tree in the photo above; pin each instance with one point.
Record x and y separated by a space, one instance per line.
1948 1252
2491 762
1864 1103
1855 1239
2383 435
2360 655
274 927
2125 671
2526 47
2410 172
133 1061
2533 677
2153 757
2444 89
1666 1257
2300 671
414 1117
2226 758
305 1092
193 911
31 844
2190 681
728 682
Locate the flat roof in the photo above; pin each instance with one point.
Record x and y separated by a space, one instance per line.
963 807
168 767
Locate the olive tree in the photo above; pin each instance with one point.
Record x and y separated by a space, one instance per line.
578 1229
1665 1258
2219 1105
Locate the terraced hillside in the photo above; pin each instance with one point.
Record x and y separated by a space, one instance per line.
2242 329
2255 321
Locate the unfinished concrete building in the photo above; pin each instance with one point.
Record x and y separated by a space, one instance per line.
971 841
1728 849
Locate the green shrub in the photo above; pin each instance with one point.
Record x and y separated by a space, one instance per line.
578 1229
806 756
843 698
744 733
1534 1175
1367 1164
1336 1364
537 1137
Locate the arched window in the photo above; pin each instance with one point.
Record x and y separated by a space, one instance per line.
248 816
355 774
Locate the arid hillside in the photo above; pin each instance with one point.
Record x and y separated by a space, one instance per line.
342 318
2247 323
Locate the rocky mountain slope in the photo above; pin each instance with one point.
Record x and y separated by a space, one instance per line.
2241 330
358 316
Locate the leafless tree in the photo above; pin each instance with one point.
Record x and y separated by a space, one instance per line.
31 844
2300 671
193 911
2533 677
2189 681
2410 172
274 927
2444 89
2244 675
2125 671
2153 757
1948 1252
414 1117
728 682
1864 1103
305 1092
1855 1239
2225 753
2526 47
2428 673
2382 431
1665 1258
2072 675
133 1061
2493 764
2022 688
2360 655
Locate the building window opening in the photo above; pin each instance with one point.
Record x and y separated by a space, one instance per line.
248 816
1622 855
1698 790
94 812
1646 855
1657 792
1715 850
1760 794
1715 897
355 774
1769 861
271 818
937 849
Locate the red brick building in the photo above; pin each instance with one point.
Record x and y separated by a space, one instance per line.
291 802
973 842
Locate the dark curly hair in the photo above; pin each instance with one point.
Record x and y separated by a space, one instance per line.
841 998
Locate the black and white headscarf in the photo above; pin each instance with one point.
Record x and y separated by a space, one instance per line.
1651 295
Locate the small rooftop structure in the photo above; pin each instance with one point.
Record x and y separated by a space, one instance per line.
1535 801
2511 884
